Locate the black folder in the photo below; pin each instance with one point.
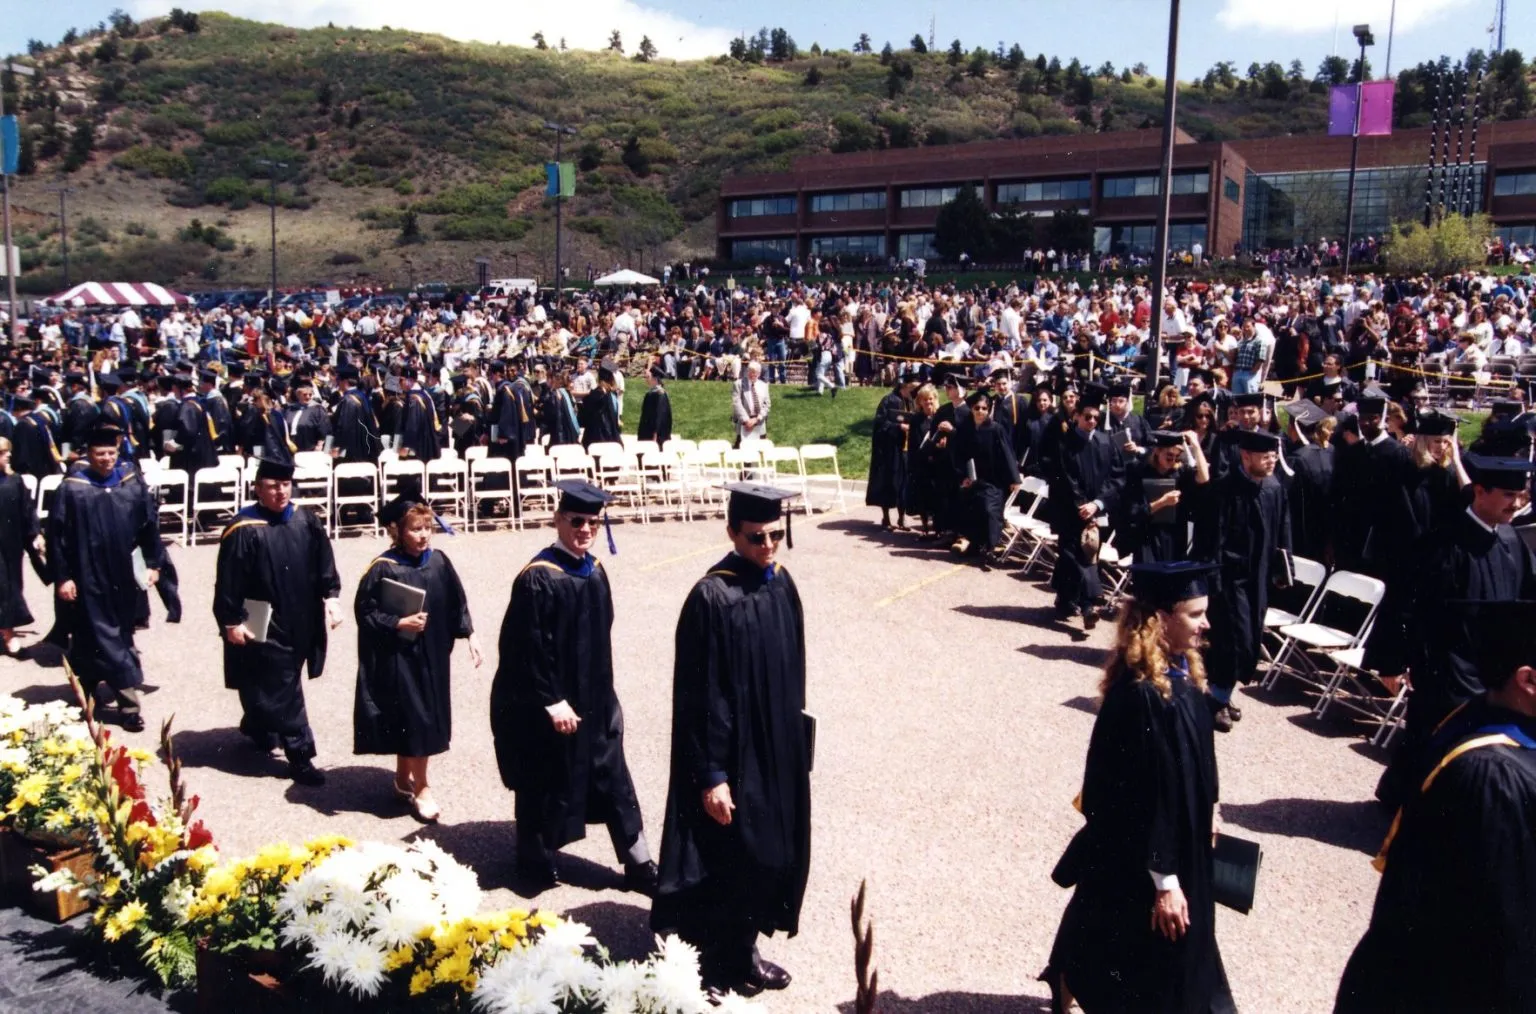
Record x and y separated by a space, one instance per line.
1236 872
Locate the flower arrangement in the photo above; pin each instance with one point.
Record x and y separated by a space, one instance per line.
44 752
236 906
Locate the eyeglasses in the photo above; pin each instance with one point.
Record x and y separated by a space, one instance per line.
762 538
583 521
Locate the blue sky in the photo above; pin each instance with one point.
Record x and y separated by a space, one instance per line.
1124 32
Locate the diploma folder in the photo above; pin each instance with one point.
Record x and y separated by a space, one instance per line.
258 619
1155 488
399 599
1235 872
810 740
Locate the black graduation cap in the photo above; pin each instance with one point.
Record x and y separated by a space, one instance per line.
978 396
346 371
181 380
1257 440
1119 389
235 369
1167 438
104 436
1202 374
577 496
108 382
74 377
1305 413
128 375
208 376
1505 407
755 502
1043 382
1371 405
658 373
1499 473
270 469
459 381
1435 423
957 378
21 403
1164 584
1503 636
1001 373
497 365
1092 396
392 512
1248 399
605 374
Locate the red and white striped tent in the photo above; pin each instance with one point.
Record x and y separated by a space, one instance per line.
119 294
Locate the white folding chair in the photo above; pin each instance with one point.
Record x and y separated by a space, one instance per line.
640 447
450 452
312 460
447 486
601 448
1300 639
677 445
619 474
740 464
355 484
30 482
573 466
1115 567
499 490
312 490
696 474
1308 574
169 486
47 489
536 492
791 476
1025 531
398 474
715 447
665 491
476 452
1365 694
215 491
816 477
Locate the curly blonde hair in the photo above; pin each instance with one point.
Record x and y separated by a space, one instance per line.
1140 653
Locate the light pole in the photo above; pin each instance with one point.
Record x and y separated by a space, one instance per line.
17 70
561 130
272 167
1165 182
1365 38
63 193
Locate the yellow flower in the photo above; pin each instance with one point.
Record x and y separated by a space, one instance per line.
421 981
203 858
455 966
543 920
141 755
126 918
220 883
398 958
29 792
329 843
110 887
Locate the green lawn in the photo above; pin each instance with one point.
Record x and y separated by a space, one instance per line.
701 410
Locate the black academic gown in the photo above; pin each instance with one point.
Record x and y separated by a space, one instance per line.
1149 789
268 430
194 438
738 701
929 469
504 416
979 510
1137 426
93 529
402 705
887 455
1083 468
555 646
1454 923
1242 526
656 416
947 513
1308 494
79 418
223 422
34 451
1365 476
286 560
557 417
18 527
1011 412
1137 533
357 427
312 425
599 419
419 427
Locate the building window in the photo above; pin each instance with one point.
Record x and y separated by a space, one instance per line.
871 245
1282 210
755 207
1184 183
1046 190
1512 184
1141 239
762 251
869 200
928 197
910 245
1230 188
1523 235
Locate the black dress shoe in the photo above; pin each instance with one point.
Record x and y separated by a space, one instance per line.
1222 719
767 975
304 772
131 721
641 878
1235 712
540 876
1090 618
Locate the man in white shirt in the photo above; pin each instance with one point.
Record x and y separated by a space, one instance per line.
797 317
624 331
749 404
1011 319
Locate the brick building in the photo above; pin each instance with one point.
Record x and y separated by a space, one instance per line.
1259 193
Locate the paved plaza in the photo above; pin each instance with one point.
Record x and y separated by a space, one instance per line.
954 720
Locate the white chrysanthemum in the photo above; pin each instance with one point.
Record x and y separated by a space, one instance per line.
72 732
14 755
178 899
428 852
11 705
567 935
674 978
330 955
400 923
620 987
305 892
507 987
364 971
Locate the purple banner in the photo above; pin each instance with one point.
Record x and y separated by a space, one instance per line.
1375 115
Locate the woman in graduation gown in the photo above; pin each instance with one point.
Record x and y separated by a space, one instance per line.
599 415
1139 935
1157 528
930 471
403 706
557 412
18 538
888 452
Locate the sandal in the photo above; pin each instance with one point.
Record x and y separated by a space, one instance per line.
425 809
408 795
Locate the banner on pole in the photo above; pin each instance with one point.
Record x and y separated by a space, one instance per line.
1375 111
560 179
10 145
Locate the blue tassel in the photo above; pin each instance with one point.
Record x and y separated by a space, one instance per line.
613 547
443 524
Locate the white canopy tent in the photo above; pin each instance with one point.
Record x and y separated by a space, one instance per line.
627 277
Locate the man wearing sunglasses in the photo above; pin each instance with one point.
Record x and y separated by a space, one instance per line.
1087 477
556 721
736 848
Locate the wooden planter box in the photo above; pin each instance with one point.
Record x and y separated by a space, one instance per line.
245 981
18 856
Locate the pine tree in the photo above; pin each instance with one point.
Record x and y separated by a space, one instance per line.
918 45
615 42
647 51
538 41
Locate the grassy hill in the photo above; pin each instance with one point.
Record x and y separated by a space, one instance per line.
407 155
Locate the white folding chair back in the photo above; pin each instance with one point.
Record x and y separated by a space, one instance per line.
313 460
446 487
476 452
637 446
665 490
536 493
792 473
450 452
574 466
818 477
1310 636
559 451
236 461
696 471
46 490
480 470
619 474
714 447
216 491
393 473
677 445
603 448
30 483
169 486
351 476
740 464
312 490
1311 575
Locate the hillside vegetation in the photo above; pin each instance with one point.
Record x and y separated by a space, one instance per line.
404 155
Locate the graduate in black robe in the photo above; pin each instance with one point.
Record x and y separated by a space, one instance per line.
80 414
983 457
275 554
420 426
556 720
888 452
1126 427
929 468
950 421
103 512
1454 923
736 849
656 410
356 425
504 415
307 419
599 415
1087 477
225 439
1475 555
1242 525
1309 483
1152 523
19 538
35 452
1139 934
1010 410
1365 475
1036 426
558 413
403 705
194 441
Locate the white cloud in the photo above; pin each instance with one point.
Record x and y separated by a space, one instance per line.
584 24
1301 16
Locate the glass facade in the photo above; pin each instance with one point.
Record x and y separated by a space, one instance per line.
1283 209
929 197
754 207
916 244
1146 186
868 200
1525 234
1141 238
762 251
869 245
1048 190
1230 189
1510 184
